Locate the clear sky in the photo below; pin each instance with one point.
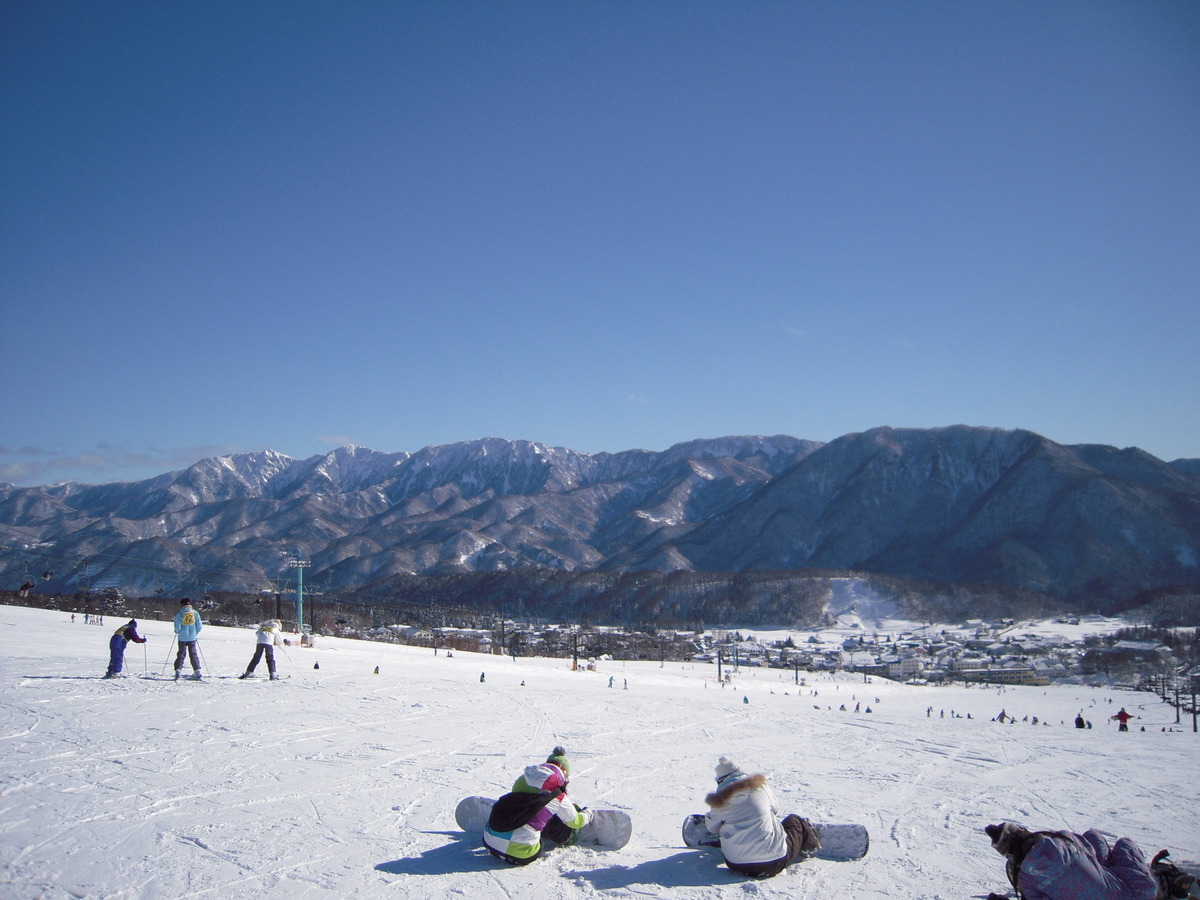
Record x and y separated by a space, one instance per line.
233 226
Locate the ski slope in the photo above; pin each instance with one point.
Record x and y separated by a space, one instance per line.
337 782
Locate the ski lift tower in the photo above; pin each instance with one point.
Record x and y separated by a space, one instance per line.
299 565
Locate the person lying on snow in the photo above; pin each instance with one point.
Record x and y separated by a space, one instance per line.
1061 865
753 839
535 811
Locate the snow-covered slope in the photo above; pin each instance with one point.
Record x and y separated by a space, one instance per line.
337 782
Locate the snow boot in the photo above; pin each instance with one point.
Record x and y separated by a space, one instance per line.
196 675
1173 881
177 673
245 675
274 677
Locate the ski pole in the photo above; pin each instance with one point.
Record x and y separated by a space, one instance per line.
203 661
289 659
145 659
168 659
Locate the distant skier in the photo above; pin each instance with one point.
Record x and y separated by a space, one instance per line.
1123 717
535 811
753 839
187 630
1079 721
1061 865
265 640
116 647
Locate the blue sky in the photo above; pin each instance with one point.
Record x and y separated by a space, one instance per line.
600 225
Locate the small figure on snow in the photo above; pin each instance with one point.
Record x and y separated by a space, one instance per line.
1079 721
537 810
754 841
265 639
187 630
1123 717
116 647
1061 865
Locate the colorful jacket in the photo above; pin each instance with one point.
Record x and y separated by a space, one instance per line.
187 624
743 814
1066 866
515 825
124 635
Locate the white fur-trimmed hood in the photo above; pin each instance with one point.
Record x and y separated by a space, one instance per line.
723 795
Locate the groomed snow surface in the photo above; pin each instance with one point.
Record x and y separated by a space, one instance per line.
337 782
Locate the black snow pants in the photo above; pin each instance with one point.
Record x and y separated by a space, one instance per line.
188 647
259 649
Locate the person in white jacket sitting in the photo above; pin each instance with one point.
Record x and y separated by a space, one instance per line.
266 637
754 841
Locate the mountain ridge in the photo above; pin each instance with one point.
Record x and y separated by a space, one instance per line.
956 504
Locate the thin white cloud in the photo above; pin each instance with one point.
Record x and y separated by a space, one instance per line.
103 465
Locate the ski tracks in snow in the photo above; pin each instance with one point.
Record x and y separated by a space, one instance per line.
341 783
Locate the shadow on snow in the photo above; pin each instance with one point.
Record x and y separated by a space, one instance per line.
463 854
684 869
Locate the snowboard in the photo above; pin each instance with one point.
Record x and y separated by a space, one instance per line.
609 829
841 843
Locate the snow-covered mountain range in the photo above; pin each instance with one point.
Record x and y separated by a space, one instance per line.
957 504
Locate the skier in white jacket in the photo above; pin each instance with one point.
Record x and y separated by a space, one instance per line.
754 841
266 638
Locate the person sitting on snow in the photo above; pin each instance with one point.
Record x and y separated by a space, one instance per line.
535 811
1061 865
753 839
116 647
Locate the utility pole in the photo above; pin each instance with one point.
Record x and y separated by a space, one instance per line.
299 565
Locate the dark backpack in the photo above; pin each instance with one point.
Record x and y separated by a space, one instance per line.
517 808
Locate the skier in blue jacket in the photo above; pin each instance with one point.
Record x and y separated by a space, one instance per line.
187 630
116 647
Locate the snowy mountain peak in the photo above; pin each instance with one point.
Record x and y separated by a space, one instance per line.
956 504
